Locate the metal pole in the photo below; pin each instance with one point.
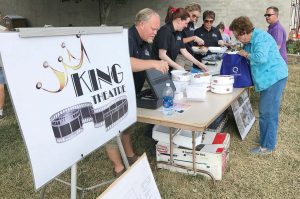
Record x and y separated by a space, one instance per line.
73 181
171 145
194 151
298 13
291 15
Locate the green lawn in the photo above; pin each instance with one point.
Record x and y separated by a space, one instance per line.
274 176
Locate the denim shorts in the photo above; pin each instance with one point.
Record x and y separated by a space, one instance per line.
2 78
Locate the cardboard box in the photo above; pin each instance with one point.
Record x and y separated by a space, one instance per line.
212 151
184 139
211 158
213 138
162 133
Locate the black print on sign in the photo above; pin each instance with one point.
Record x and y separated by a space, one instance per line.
68 123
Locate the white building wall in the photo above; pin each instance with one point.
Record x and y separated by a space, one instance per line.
85 13
226 10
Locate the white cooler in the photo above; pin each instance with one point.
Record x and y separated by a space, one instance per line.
211 158
212 150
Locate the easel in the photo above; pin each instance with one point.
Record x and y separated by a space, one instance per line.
73 183
62 31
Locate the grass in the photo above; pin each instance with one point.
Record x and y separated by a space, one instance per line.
274 176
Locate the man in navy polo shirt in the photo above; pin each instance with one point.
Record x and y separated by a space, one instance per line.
276 30
140 36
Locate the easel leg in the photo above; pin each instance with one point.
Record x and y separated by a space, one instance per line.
123 154
42 195
73 181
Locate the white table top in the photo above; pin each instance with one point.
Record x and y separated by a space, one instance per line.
197 117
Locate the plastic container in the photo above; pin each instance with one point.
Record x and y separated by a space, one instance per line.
196 92
178 96
180 75
180 86
168 96
200 78
222 79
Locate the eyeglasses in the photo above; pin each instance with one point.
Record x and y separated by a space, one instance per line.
237 35
195 16
208 21
268 15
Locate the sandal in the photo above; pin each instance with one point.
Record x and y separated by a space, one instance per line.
118 174
132 159
260 151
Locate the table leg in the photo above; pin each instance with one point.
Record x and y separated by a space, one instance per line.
194 151
171 145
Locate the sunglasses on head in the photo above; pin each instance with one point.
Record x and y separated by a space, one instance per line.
208 21
268 15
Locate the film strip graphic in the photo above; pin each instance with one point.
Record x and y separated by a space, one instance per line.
68 123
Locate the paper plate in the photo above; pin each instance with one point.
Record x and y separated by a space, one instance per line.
217 49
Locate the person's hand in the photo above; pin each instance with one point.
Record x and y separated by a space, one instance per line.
243 53
161 66
203 67
198 40
221 43
203 50
181 68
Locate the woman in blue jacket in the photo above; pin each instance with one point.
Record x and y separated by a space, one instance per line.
269 74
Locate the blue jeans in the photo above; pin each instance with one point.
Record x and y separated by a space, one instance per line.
269 107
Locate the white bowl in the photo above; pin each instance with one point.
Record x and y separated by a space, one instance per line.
180 75
199 78
217 49
221 89
222 79
232 52
198 49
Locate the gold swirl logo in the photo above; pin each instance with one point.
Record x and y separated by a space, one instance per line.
62 76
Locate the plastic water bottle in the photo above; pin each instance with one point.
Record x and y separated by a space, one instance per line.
168 96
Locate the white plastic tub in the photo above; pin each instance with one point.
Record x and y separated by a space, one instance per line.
196 92
180 75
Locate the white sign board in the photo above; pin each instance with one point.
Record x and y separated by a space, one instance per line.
71 95
136 183
243 114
